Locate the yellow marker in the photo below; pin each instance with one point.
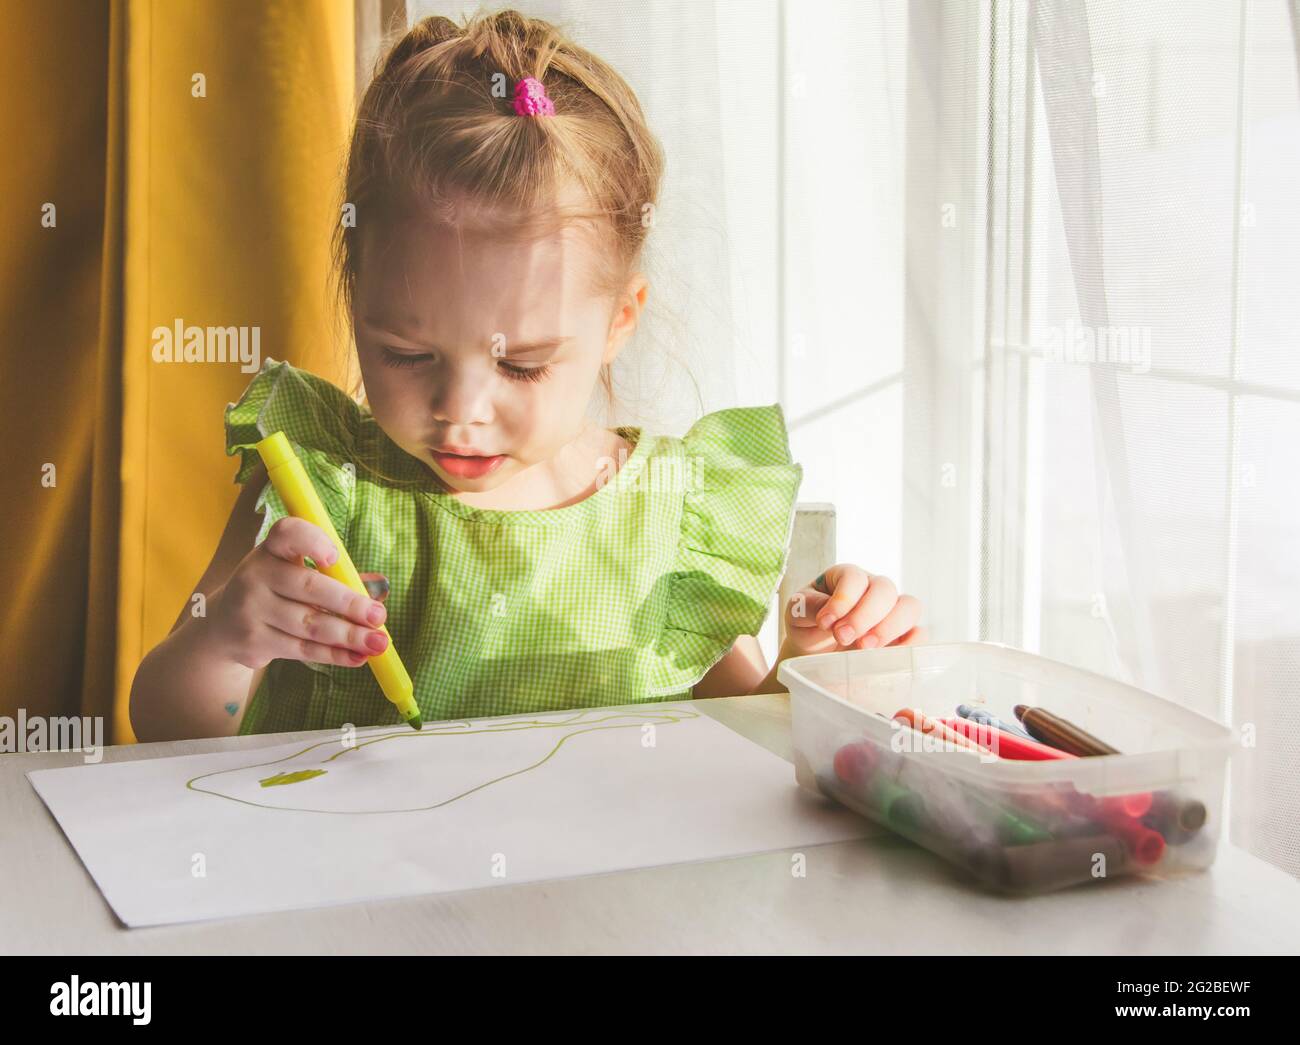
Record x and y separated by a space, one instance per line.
294 486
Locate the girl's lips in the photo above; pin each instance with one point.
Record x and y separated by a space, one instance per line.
467 467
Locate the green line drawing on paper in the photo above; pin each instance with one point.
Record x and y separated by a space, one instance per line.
586 721
291 778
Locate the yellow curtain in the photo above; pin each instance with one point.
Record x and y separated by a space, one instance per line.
192 153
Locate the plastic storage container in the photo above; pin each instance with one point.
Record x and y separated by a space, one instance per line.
1016 826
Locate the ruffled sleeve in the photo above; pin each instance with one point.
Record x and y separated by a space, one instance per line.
319 420
737 515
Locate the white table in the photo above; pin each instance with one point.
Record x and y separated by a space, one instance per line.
879 895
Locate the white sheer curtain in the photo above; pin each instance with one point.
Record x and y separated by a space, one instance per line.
905 221
1170 507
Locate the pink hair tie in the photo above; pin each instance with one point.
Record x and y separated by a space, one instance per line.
531 100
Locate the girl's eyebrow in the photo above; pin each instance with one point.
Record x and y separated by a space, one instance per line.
402 330
537 346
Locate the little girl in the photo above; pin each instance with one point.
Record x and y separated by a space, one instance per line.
499 176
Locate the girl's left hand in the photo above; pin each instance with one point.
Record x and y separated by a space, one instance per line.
849 608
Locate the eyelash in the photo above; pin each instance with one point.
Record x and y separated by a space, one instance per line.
526 373
405 361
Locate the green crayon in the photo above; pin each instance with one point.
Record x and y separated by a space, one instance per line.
891 803
1013 828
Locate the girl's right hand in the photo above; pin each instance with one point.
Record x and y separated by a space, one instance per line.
273 606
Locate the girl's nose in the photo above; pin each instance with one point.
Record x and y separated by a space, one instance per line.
462 395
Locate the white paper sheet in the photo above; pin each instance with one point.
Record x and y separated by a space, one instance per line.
460 805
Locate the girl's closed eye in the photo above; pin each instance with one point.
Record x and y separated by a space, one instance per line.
403 359
406 360
525 373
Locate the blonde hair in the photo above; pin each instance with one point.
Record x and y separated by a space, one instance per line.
436 130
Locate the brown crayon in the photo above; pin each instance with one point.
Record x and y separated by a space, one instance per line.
1178 819
1056 732
1049 865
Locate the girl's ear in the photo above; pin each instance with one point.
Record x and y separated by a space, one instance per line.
627 316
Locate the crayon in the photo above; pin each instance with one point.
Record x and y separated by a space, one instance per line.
300 498
1177 819
1050 865
1057 732
1143 844
1013 828
902 808
1002 743
934 728
892 804
989 719
854 763
1135 805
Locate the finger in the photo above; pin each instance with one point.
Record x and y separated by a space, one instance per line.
918 636
898 621
801 610
298 648
322 628
879 599
315 589
292 538
376 584
847 584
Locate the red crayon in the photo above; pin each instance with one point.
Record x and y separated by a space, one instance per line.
855 762
1145 845
1126 805
1008 745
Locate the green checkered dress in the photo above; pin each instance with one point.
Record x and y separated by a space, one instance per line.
629 595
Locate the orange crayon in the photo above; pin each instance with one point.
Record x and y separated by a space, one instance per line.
935 728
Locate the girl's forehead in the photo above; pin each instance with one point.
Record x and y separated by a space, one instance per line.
453 285
432 255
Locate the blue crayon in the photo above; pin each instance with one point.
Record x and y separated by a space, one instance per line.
988 719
